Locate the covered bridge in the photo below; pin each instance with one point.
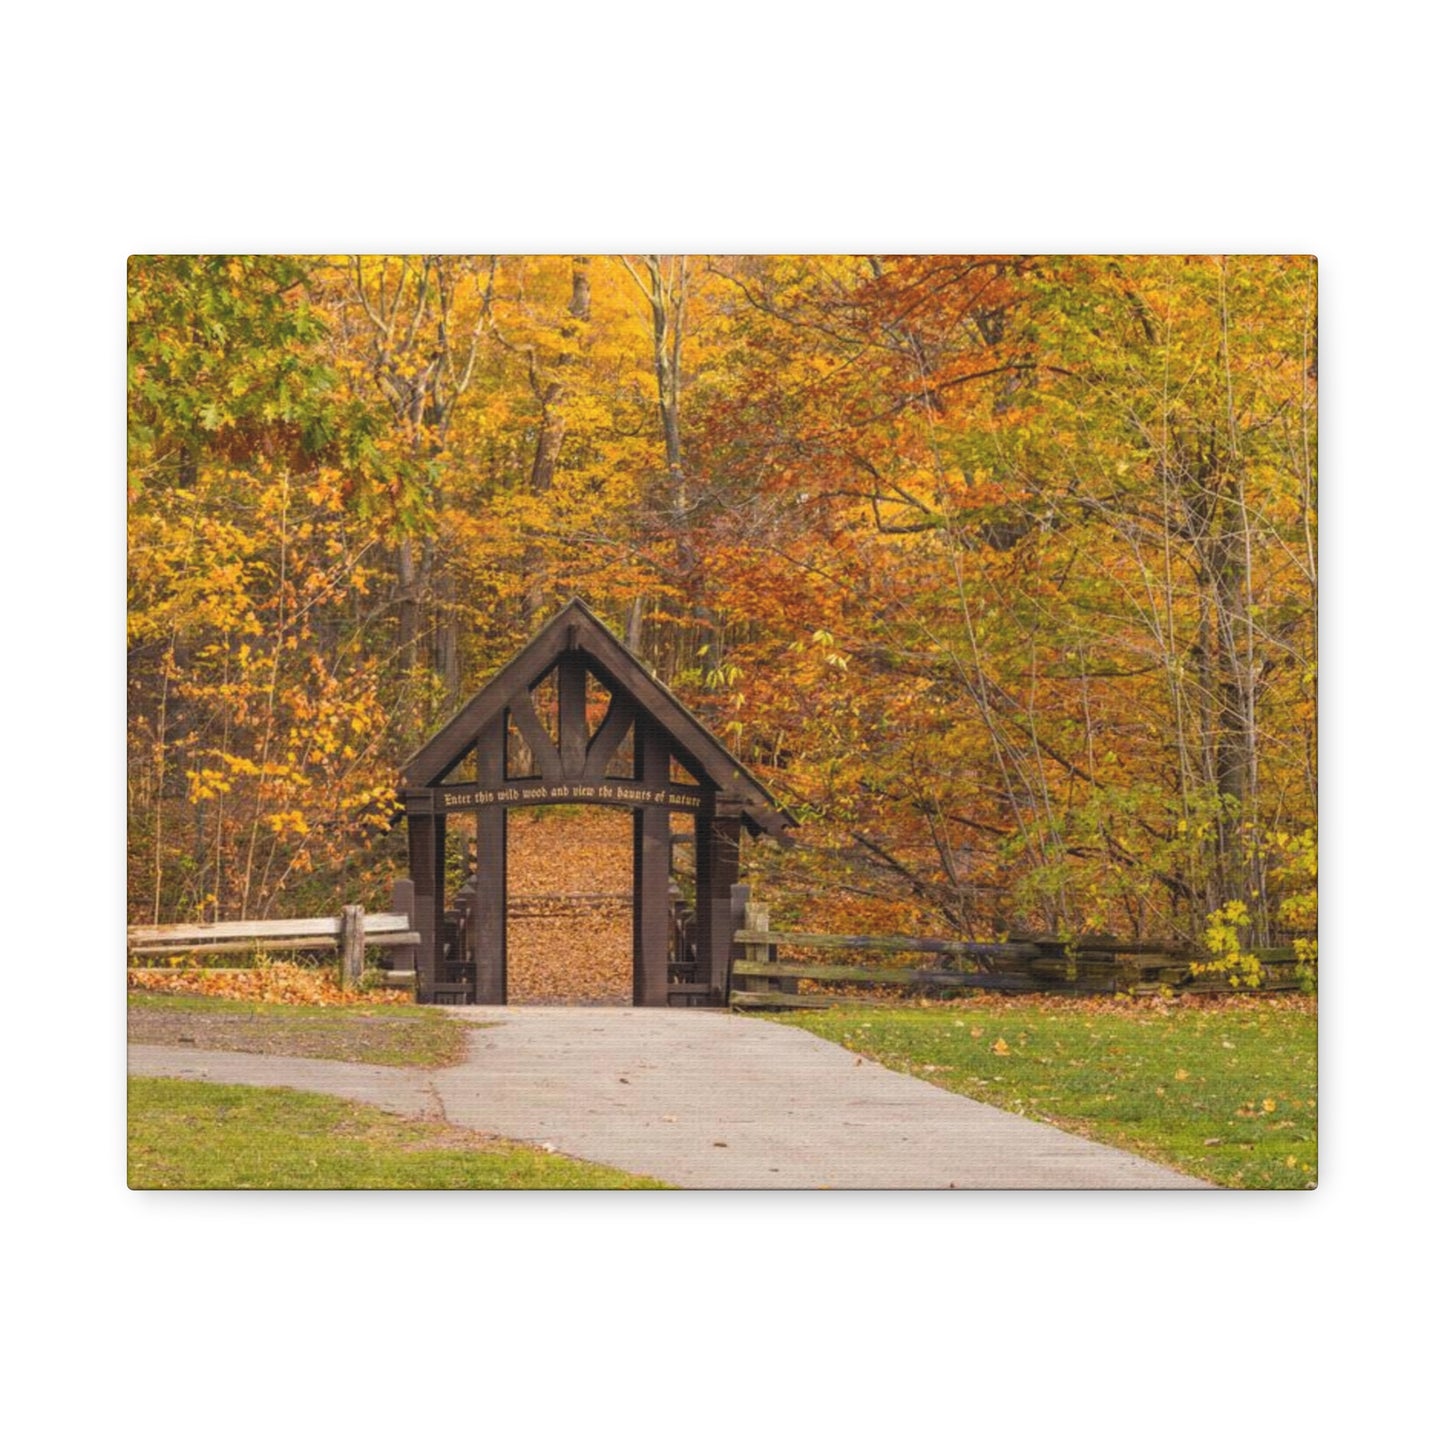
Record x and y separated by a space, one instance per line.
575 717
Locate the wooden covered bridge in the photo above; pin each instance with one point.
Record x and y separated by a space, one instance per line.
575 717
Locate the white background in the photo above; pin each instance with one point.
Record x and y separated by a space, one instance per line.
1277 128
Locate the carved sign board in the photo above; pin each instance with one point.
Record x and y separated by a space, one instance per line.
457 797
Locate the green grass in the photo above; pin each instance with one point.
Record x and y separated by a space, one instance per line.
1225 1092
185 1135
402 1035
144 1000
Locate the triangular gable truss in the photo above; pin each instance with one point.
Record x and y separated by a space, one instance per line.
572 644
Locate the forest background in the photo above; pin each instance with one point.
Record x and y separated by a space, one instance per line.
999 570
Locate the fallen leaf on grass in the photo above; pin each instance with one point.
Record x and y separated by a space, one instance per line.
270 983
1000 1047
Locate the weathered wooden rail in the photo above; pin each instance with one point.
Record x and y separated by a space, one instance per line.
761 980
760 977
1107 965
350 933
1033 965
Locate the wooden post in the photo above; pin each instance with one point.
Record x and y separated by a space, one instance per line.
427 834
651 848
489 908
755 920
572 714
737 919
353 945
489 897
738 910
716 852
650 921
403 900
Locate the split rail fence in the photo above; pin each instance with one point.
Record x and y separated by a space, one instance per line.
761 978
764 979
350 934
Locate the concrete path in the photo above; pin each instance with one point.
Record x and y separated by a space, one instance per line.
707 1100
398 1091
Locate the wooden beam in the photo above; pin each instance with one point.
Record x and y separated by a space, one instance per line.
716 858
544 750
403 903
703 754
260 928
650 754
319 928
437 757
894 977
608 738
406 941
532 792
650 907
868 944
237 945
492 752
427 845
489 907
576 629
572 714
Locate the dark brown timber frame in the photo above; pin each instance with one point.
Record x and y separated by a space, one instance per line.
579 765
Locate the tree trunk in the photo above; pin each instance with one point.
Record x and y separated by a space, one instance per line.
552 431
407 609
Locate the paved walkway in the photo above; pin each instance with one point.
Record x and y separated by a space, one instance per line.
707 1100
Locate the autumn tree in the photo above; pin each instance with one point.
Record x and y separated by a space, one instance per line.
953 449
1000 568
254 729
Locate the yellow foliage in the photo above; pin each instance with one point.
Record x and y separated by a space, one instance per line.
931 560
1226 953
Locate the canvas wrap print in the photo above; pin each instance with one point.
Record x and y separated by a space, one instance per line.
722 722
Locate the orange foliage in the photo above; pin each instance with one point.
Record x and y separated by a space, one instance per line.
999 569
269 983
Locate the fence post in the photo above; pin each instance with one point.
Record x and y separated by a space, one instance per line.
738 896
755 920
403 900
353 945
